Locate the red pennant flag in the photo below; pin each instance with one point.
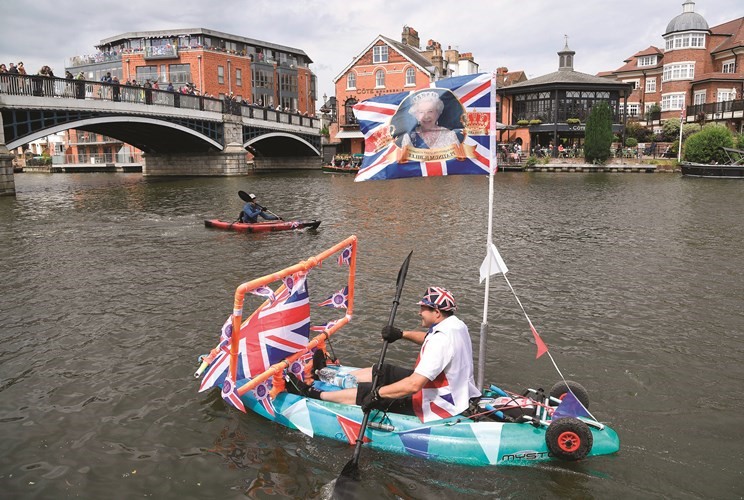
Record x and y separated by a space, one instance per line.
541 347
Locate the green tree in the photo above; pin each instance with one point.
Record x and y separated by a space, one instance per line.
639 132
671 128
652 110
739 141
705 146
598 134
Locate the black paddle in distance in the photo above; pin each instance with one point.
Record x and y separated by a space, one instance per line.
350 472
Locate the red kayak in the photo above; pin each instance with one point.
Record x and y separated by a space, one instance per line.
262 227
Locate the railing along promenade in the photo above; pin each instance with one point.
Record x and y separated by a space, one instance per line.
65 88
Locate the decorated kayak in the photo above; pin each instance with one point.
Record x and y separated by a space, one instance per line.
480 439
261 227
272 347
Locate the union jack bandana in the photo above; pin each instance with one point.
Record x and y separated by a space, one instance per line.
438 298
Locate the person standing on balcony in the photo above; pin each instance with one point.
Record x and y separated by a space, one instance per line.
115 89
80 86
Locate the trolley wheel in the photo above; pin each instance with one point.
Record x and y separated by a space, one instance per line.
560 389
569 439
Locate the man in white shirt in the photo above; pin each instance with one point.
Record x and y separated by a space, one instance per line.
441 383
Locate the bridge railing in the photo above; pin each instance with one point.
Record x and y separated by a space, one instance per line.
43 86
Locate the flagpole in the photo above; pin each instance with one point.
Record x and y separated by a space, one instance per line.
492 165
679 148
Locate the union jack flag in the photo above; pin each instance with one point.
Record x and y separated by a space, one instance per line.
264 291
274 331
294 280
322 328
338 300
230 394
345 256
379 119
262 396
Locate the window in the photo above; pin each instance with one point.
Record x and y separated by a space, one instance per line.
646 61
671 102
633 109
147 73
726 95
179 73
351 80
288 83
380 54
685 41
728 66
410 77
221 74
263 79
239 77
679 71
699 98
349 111
650 85
379 78
634 83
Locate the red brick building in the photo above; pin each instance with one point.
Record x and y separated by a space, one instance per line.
213 62
386 66
206 61
700 68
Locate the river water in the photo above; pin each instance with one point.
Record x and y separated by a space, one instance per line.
112 286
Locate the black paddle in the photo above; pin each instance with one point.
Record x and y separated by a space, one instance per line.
350 471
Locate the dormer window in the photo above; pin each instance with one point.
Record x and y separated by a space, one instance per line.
380 54
646 61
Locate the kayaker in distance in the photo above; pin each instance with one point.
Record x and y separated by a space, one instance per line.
441 384
252 210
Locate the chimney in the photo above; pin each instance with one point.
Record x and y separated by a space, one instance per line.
410 37
502 70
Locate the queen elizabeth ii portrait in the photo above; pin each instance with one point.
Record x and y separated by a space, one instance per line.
428 119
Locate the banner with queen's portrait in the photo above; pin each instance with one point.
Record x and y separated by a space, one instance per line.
442 130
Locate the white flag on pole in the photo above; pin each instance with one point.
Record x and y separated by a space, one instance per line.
496 263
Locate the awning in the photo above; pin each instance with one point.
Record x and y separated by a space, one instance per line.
349 134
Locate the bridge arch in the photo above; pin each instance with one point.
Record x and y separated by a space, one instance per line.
151 135
272 139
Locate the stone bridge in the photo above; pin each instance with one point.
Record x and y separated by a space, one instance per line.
180 134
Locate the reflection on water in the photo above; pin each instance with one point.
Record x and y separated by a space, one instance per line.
112 287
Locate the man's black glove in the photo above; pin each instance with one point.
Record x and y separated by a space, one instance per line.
391 334
370 399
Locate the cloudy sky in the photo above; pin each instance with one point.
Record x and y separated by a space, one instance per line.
519 34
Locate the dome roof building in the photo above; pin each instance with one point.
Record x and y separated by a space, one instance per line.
698 72
689 20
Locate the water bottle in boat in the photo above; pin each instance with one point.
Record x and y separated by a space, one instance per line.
332 375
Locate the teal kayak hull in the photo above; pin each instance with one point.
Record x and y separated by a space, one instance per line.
456 440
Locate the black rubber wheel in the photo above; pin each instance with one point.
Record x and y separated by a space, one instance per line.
560 389
569 439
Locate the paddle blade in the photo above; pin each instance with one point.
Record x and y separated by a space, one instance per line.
347 485
402 274
350 470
